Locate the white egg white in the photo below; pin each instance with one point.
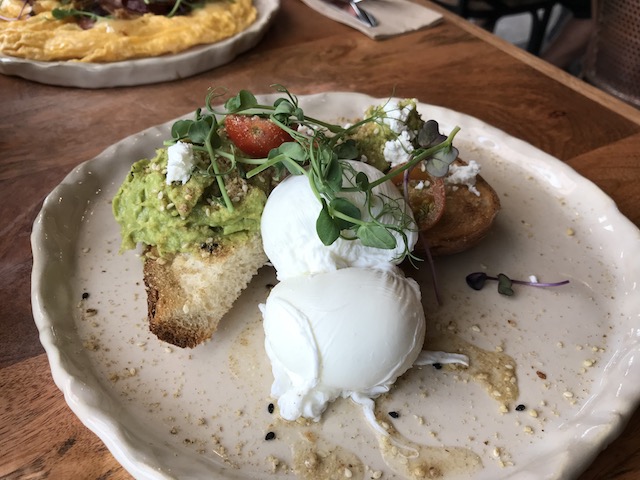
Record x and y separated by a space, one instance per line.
289 234
349 333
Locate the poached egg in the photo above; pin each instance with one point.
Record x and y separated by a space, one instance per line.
289 234
347 333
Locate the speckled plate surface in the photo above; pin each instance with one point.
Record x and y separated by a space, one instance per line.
144 71
170 413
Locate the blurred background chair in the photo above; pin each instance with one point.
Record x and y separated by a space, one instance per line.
612 62
569 37
488 12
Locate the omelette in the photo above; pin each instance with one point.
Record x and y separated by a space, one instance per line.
103 31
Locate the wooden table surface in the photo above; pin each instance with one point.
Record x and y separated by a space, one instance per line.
45 131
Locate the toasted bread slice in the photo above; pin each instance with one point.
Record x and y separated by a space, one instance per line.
187 294
466 220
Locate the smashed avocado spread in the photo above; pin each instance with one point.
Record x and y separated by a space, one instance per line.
394 119
185 217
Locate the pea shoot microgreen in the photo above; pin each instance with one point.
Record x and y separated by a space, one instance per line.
62 13
182 5
97 12
477 281
319 150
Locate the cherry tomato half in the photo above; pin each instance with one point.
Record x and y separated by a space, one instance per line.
254 135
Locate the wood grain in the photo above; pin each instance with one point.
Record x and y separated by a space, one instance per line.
46 131
39 435
616 166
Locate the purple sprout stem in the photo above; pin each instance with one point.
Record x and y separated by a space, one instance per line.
425 245
432 269
533 284
7 19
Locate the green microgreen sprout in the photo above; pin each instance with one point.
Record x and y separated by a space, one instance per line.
62 13
175 8
477 281
202 132
189 6
318 151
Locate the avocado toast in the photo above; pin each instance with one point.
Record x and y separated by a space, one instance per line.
198 254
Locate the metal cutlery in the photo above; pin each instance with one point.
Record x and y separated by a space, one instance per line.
362 14
355 10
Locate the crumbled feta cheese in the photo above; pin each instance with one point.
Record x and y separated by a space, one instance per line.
306 130
464 175
396 117
180 162
398 151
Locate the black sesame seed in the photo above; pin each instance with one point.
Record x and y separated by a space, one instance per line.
520 407
270 436
270 285
270 408
85 295
209 247
394 414
437 366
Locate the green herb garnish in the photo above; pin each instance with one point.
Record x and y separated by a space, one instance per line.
62 13
319 152
98 12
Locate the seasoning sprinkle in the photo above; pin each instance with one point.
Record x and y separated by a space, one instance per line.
437 366
85 295
270 408
270 436
394 414
520 408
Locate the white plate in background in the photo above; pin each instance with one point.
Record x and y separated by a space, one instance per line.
144 71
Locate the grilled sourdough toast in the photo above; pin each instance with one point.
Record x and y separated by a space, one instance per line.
457 217
198 254
466 220
187 294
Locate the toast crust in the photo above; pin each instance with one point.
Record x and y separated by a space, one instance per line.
188 295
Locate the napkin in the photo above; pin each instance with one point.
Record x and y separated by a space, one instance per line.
395 17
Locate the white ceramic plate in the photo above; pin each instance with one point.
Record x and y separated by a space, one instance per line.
144 71
170 413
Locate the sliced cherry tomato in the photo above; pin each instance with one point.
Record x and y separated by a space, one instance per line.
254 135
427 197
